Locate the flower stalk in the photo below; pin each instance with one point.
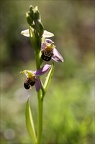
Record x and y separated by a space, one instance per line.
40 117
40 101
44 50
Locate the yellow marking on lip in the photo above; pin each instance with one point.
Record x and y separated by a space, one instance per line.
29 74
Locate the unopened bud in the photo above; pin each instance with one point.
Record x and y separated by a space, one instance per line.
31 11
36 13
39 27
29 18
31 7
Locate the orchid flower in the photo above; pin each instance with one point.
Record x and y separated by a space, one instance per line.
32 77
49 51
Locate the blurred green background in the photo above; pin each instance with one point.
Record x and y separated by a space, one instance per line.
69 104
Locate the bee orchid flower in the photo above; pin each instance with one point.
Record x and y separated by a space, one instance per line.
49 51
32 77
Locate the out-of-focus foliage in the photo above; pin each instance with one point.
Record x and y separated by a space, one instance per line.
69 105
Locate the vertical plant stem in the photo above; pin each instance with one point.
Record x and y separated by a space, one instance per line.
40 104
37 59
40 118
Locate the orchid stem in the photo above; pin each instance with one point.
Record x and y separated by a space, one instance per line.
37 55
40 118
40 104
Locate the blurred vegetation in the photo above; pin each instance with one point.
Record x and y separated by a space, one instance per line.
69 105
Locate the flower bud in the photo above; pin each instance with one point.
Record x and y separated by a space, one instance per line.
31 8
31 11
39 28
36 13
29 18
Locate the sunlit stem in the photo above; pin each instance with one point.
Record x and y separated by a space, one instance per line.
40 118
36 43
38 63
40 103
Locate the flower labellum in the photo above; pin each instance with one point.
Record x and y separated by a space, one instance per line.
48 51
32 77
29 82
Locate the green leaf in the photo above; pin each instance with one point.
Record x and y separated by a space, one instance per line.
30 123
48 78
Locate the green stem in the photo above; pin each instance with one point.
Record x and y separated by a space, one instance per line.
40 118
36 42
40 103
37 55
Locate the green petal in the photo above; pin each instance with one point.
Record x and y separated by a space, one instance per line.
48 78
29 122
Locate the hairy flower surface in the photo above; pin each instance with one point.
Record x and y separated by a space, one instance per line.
48 51
32 77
